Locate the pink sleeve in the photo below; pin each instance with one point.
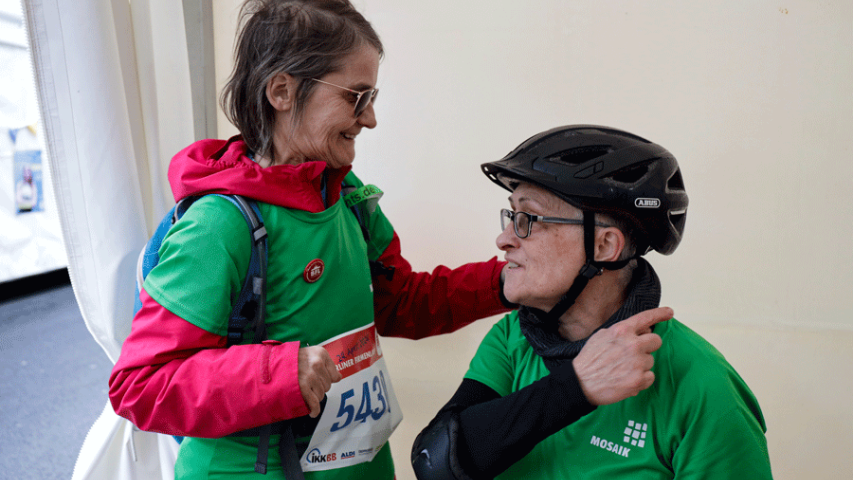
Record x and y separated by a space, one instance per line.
420 304
175 378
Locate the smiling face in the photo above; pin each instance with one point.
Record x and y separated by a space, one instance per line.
542 266
327 126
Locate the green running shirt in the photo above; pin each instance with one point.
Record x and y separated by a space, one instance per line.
699 420
210 245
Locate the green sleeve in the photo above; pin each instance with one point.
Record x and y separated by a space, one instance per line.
727 443
381 230
721 424
492 364
203 261
738 450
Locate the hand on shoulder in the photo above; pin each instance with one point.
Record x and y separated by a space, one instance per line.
616 362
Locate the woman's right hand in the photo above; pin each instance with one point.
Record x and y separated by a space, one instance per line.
317 373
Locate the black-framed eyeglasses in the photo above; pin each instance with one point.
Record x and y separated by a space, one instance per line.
522 222
362 99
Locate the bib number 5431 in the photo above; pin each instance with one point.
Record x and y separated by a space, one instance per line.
365 409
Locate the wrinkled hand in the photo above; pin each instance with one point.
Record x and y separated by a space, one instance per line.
616 362
317 373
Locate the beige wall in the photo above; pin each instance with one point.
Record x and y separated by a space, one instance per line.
753 98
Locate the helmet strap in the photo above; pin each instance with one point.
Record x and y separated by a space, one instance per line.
587 272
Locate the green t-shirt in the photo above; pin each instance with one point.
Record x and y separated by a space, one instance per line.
210 245
698 420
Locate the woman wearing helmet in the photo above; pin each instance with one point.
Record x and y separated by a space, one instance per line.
581 381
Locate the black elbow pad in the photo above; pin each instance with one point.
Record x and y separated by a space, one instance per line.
434 452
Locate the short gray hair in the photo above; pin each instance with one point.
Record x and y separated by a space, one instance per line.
303 38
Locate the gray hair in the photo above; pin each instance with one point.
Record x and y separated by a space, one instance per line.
303 38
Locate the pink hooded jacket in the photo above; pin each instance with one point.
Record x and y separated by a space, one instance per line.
173 377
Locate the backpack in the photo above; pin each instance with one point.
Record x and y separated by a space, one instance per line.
250 306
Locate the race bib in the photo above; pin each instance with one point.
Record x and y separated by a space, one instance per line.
361 411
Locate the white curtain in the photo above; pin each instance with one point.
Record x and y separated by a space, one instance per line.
114 91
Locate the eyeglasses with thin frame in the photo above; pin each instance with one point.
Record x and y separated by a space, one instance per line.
362 99
522 222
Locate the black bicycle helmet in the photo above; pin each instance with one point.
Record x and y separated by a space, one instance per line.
602 170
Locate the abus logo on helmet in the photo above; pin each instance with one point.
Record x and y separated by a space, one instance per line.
647 203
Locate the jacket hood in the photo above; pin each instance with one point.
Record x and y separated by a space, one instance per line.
222 166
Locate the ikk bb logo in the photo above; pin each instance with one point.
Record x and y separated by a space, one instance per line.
316 456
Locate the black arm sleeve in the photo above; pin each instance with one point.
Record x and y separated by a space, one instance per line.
495 432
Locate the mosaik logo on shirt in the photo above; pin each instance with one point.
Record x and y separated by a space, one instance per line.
634 435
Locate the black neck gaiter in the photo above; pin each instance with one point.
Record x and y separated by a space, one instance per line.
644 293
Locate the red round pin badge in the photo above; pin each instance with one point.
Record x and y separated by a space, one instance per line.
314 270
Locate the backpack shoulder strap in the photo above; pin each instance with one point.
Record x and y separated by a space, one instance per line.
250 305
